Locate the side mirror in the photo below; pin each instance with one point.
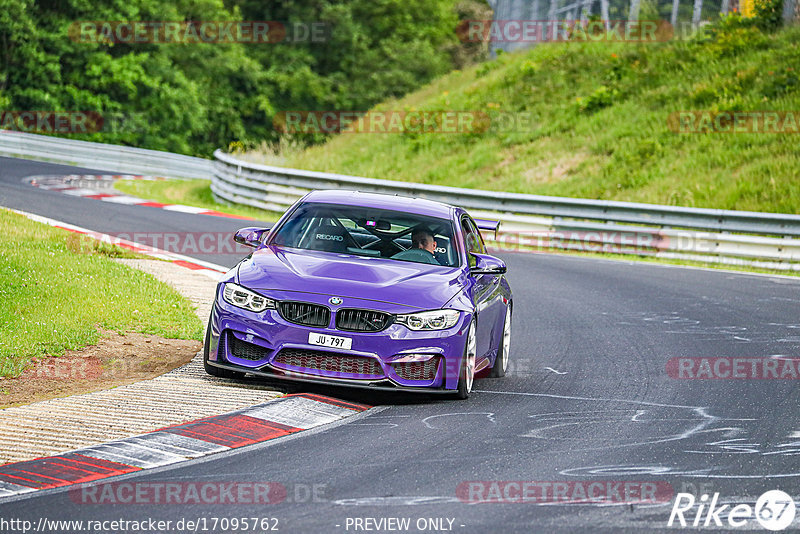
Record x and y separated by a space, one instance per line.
486 264
250 236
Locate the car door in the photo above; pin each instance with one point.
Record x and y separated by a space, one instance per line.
485 289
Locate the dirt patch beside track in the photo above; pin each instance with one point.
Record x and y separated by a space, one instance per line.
116 360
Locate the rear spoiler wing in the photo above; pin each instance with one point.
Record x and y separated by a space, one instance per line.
487 225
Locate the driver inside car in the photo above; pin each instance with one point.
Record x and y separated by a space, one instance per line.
423 239
423 248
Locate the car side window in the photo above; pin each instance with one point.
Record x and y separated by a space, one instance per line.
472 240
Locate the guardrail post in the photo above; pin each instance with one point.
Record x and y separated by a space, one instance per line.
790 11
633 14
551 15
674 18
697 13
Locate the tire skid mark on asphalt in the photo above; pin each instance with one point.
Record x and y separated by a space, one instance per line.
178 443
711 442
400 500
427 423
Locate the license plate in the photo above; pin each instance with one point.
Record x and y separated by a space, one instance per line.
335 342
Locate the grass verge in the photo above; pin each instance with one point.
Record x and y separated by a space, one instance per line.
600 124
195 193
59 288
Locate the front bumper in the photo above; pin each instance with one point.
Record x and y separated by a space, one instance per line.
265 344
384 385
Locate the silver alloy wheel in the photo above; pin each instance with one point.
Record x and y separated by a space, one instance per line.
506 340
470 358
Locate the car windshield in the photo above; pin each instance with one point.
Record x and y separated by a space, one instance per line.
369 232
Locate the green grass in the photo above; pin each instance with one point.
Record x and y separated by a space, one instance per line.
59 288
600 126
190 193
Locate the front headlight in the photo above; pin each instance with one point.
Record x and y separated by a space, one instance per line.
244 298
429 320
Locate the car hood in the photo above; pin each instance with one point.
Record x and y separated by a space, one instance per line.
415 285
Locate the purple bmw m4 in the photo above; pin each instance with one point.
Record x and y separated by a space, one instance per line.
364 290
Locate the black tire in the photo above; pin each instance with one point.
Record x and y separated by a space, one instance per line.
210 369
461 392
501 362
464 385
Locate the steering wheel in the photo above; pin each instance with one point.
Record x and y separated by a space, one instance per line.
417 255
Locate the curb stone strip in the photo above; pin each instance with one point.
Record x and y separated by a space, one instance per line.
179 443
87 187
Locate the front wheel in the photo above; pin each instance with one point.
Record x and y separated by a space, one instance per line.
210 369
501 361
467 373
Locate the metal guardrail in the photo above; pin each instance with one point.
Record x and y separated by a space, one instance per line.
530 222
254 181
111 158
540 222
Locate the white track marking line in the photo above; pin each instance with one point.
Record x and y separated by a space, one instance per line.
299 412
185 209
81 192
123 199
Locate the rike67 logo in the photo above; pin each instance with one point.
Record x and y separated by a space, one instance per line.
774 510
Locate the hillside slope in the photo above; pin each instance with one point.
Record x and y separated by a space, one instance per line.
600 124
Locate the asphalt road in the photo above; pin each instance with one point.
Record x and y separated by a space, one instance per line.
587 398
110 218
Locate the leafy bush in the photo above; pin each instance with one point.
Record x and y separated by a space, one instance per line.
600 98
768 14
194 98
